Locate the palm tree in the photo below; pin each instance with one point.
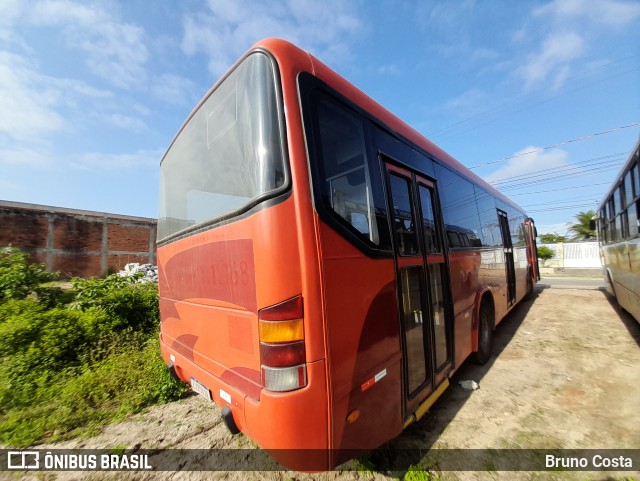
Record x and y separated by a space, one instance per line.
581 228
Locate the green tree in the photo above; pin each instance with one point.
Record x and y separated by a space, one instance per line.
552 238
581 228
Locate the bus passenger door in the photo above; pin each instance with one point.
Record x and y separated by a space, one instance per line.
421 281
508 257
437 277
532 248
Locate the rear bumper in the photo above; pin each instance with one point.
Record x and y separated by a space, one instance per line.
285 424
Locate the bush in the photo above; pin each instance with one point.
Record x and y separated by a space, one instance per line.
18 278
76 360
127 304
545 253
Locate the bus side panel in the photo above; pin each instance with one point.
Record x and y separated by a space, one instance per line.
622 261
521 263
633 278
464 267
363 345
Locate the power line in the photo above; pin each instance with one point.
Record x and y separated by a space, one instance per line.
572 207
558 190
555 174
542 149
586 199
527 107
557 177
561 176
562 168
525 98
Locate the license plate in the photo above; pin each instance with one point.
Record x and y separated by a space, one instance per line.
200 389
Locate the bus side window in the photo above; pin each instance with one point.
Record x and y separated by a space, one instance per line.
403 216
454 239
634 219
349 187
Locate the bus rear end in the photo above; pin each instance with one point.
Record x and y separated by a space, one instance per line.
235 322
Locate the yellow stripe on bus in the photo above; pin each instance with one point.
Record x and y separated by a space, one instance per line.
424 407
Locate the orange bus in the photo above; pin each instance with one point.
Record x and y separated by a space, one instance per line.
619 235
323 267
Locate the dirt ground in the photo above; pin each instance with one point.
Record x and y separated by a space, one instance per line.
565 374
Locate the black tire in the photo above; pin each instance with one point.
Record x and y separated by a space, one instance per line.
485 334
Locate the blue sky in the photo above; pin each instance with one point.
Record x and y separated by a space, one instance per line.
92 92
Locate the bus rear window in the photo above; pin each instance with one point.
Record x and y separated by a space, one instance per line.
229 155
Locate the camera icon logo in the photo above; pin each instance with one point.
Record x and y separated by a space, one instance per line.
23 460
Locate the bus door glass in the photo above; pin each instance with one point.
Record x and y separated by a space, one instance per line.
508 257
421 281
436 276
532 248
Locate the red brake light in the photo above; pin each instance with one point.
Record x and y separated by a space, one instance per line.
289 309
282 355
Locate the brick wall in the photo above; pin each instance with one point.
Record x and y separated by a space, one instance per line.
77 242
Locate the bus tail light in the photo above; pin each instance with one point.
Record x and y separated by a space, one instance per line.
282 349
284 378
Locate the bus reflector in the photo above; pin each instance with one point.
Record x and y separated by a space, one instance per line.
284 378
282 349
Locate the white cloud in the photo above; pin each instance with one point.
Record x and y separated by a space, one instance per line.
115 51
608 13
9 11
529 160
388 70
174 89
35 107
553 59
471 101
126 122
565 32
77 88
25 157
27 101
484 54
98 161
32 104
230 28
117 54
446 14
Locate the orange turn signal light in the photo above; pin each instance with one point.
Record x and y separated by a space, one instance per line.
281 331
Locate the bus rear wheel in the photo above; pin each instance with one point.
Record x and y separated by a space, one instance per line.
485 334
